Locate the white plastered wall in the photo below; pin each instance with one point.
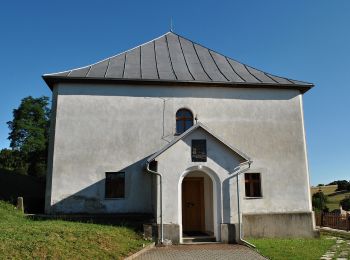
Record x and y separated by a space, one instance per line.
102 128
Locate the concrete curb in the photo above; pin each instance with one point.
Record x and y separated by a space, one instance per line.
143 250
333 230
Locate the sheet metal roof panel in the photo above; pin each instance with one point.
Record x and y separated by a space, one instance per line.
133 64
148 62
82 72
98 69
260 75
177 58
174 58
279 79
242 71
164 66
116 67
209 64
192 60
225 67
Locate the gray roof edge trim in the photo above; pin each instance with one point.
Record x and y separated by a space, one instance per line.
190 130
55 79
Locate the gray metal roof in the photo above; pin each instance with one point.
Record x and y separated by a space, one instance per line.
190 130
174 59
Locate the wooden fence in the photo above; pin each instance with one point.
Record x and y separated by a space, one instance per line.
333 220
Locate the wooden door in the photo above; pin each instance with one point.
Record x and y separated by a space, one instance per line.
193 204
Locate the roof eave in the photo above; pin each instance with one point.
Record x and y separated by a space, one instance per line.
51 80
190 130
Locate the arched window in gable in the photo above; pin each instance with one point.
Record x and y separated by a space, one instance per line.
184 120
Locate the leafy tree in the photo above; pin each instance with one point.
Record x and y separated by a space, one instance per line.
29 133
12 160
342 184
319 200
345 203
320 185
29 127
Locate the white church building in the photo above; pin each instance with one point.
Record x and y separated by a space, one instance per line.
210 147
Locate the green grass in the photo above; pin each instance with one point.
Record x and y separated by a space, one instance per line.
296 249
336 234
22 238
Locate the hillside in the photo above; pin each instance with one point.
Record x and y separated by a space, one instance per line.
333 201
328 189
23 238
333 197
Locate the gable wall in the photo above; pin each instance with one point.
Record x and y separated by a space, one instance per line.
111 128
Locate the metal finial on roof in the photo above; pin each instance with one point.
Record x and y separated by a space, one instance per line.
171 24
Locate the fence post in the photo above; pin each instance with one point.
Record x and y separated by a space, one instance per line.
348 221
321 224
20 205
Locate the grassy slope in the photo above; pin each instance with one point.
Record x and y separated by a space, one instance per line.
325 189
333 201
21 238
296 249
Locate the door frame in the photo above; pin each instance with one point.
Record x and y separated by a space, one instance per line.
217 199
201 199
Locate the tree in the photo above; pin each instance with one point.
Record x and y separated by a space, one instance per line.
319 200
345 203
29 133
12 160
342 185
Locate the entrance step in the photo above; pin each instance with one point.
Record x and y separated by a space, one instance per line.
198 239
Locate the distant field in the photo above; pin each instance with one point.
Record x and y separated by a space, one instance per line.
325 189
333 201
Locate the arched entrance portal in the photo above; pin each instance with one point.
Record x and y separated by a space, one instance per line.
198 207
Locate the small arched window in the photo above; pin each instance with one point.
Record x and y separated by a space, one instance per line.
184 120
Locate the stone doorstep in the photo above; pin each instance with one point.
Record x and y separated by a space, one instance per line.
198 239
138 253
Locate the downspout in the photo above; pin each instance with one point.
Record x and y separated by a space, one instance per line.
238 202
239 209
160 201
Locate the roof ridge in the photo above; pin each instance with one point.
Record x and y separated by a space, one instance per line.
190 130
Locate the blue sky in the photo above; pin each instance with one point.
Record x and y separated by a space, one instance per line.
304 39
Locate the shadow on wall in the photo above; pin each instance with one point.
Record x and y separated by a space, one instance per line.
91 199
32 189
180 91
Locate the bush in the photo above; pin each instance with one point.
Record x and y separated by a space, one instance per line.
345 203
319 200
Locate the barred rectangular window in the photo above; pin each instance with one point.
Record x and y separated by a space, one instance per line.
252 185
199 150
115 185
